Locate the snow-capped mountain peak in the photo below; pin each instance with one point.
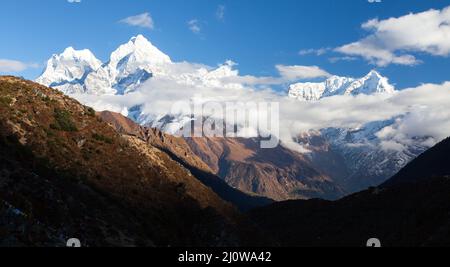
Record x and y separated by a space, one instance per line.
140 51
374 73
69 66
79 71
372 83
84 54
133 63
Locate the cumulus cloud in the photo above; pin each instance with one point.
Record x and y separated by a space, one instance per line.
74 1
144 20
7 65
376 55
393 40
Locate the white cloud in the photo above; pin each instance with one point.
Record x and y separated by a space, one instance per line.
74 1
144 20
292 73
393 40
194 26
344 58
220 12
7 65
318 52
376 55
287 74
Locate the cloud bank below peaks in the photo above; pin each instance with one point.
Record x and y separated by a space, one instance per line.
419 112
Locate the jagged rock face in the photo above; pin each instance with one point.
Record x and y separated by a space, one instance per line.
67 173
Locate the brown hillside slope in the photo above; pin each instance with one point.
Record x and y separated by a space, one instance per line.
74 175
179 150
278 173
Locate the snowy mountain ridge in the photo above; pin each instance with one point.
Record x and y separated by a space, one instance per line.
372 83
130 65
77 72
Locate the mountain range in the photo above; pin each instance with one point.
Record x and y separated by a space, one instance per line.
81 72
340 160
68 171
372 83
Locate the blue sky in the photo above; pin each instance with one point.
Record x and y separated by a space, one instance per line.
257 34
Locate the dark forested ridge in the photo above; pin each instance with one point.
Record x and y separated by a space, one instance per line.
411 209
